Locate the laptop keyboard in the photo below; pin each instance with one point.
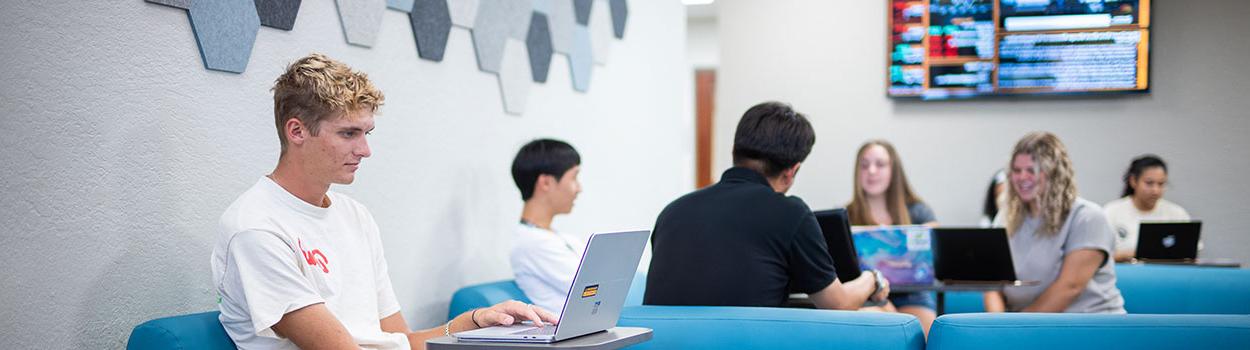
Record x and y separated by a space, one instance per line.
549 330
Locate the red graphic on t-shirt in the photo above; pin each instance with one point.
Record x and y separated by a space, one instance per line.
314 257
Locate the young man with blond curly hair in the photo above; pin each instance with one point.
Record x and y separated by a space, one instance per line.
298 266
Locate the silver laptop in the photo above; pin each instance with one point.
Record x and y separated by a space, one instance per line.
595 298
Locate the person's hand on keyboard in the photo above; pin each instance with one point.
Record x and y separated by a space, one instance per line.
507 313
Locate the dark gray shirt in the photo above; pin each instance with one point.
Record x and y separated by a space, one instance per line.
1039 257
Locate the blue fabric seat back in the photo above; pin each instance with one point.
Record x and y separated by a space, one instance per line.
200 331
726 327
483 295
1159 289
1030 331
1166 289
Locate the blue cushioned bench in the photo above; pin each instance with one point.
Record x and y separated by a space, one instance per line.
725 327
1029 331
1160 289
200 331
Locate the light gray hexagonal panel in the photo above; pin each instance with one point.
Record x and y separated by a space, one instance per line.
463 12
498 20
542 6
514 77
361 20
600 31
562 20
225 31
182 4
581 59
399 5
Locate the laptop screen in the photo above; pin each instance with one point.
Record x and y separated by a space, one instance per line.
902 254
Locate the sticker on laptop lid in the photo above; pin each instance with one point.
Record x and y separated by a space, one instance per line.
590 291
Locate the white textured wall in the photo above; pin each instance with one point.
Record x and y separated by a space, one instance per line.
827 58
119 151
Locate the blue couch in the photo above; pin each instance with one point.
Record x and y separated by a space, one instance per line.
200 331
1027 331
725 327
1160 289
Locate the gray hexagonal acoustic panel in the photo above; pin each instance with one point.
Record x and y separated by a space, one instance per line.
538 43
463 12
278 14
361 20
430 26
562 20
581 59
399 5
600 31
620 13
225 31
182 4
498 20
514 77
582 9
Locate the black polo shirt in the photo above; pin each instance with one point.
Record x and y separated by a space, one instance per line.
736 243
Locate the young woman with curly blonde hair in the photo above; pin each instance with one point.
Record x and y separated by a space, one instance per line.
1057 238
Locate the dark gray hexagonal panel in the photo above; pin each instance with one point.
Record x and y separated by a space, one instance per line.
582 9
581 59
620 12
538 43
277 13
362 19
431 23
498 20
182 4
225 31
399 5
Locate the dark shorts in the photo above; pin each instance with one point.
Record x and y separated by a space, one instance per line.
921 299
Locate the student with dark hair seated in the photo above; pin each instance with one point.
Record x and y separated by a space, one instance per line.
1144 182
742 241
543 260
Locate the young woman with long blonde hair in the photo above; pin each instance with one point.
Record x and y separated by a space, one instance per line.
1057 238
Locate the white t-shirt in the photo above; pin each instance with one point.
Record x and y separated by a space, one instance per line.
276 253
1125 218
544 263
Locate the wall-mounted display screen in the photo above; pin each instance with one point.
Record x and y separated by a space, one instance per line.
942 49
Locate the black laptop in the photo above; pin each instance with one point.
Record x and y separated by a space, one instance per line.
972 255
836 227
1168 241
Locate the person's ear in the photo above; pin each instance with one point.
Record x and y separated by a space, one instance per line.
295 131
793 171
544 183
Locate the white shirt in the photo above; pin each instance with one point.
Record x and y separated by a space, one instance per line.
1125 218
276 253
544 263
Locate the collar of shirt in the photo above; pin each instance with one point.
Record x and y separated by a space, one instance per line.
743 175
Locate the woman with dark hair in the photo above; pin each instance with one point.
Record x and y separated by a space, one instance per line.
1142 200
993 198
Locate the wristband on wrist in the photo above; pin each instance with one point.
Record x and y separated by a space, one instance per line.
447 328
473 317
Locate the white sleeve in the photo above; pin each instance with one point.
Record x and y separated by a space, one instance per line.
262 274
388 304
